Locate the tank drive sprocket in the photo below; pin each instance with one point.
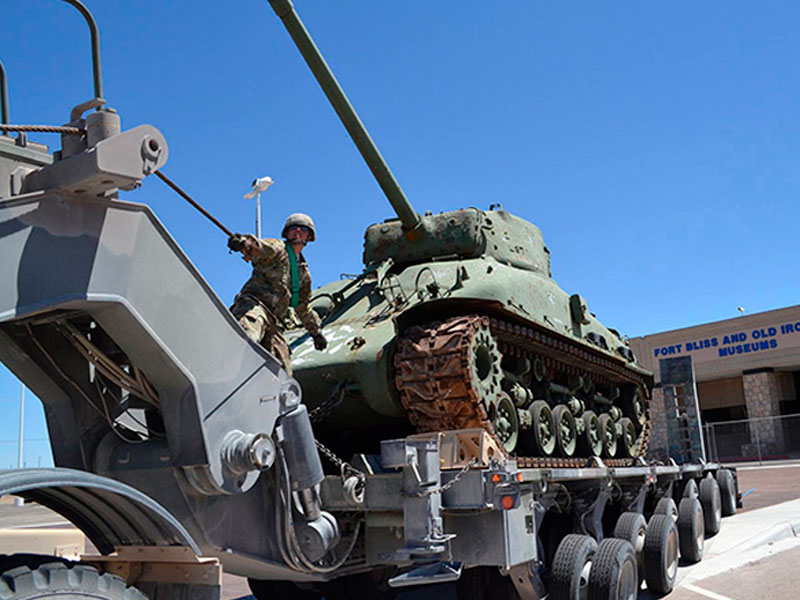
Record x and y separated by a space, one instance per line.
450 376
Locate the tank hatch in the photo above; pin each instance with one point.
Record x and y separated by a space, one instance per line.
463 233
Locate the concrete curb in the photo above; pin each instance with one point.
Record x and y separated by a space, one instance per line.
776 533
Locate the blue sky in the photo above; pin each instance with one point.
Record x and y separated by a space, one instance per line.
655 144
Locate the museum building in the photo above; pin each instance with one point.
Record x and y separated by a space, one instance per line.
747 367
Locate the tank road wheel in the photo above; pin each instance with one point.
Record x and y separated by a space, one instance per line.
614 574
667 506
609 430
571 566
58 580
590 442
626 446
691 529
566 433
661 554
727 489
631 526
506 424
633 406
541 440
712 505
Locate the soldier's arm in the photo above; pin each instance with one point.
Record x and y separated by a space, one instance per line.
261 249
308 317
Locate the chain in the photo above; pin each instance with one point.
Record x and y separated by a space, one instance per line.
42 129
443 488
326 408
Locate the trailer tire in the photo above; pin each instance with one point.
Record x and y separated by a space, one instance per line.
59 579
667 506
727 489
691 529
571 563
712 505
271 590
614 574
690 489
661 554
631 526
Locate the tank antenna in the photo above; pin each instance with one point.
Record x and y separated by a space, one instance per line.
347 114
97 75
3 96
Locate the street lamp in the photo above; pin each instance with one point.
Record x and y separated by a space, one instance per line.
259 185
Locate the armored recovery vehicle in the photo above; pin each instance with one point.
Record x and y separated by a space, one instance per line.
181 449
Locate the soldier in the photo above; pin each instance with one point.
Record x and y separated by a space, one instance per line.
280 279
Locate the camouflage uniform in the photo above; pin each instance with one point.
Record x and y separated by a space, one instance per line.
262 305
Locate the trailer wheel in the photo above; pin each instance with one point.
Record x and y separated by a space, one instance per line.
571 566
661 554
691 529
627 438
690 489
485 583
727 488
271 590
712 505
68 581
609 430
631 526
667 506
566 432
614 572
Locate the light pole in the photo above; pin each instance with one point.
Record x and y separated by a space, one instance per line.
19 500
256 188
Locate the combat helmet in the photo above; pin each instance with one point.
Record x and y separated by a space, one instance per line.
300 219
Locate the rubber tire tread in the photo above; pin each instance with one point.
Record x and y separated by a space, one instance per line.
727 489
666 506
571 555
77 580
712 505
656 543
627 528
607 566
687 529
690 489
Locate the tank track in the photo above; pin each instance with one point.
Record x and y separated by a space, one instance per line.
432 375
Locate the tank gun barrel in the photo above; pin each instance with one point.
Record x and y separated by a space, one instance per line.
347 114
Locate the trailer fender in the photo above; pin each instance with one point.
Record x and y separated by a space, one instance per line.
110 513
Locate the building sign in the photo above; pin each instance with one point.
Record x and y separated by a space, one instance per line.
736 343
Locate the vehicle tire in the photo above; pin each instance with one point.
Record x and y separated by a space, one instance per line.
632 526
590 442
73 582
609 430
691 529
571 566
543 432
614 574
566 433
626 445
727 490
690 489
272 590
485 583
712 505
661 554
667 506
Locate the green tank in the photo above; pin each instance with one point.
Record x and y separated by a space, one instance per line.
456 323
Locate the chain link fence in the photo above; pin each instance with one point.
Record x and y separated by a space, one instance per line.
767 438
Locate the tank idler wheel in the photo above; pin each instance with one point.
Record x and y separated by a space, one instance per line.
666 506
633 406
711 500
59 580
566 433
727 489
572 564
505 421
590 441
691 529
631 526
661 554
543 431
626 446
614 574
609 430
